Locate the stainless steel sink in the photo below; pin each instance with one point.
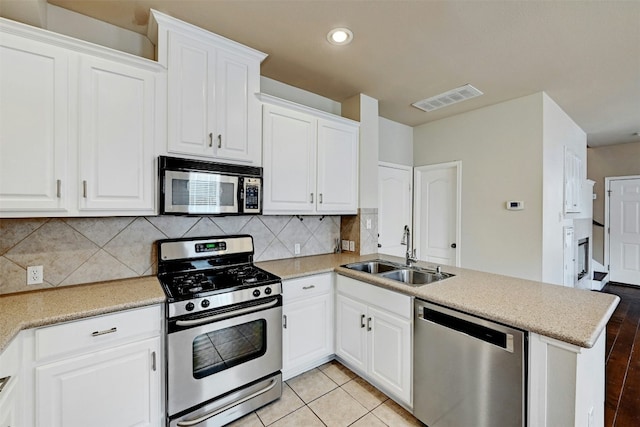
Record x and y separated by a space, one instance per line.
373 267
409 275
413 276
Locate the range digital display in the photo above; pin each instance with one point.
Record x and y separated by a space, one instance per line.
211 247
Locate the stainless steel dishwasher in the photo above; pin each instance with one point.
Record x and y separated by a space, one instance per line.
468 372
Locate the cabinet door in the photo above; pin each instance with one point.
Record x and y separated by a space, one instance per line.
34 126
308 331
289 139
239 119
115 387
390 353
10 402
351 332
337 167
191 106
116 122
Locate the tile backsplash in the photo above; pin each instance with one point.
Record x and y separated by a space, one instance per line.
84 250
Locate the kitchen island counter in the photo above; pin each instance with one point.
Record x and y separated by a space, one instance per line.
571 315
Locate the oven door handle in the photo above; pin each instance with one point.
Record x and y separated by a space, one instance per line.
227 315
200 419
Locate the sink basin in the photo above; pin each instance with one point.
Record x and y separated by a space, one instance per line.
373 267
414 277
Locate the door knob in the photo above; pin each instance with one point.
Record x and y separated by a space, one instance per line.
453 245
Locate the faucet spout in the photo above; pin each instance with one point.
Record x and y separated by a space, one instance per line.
410 255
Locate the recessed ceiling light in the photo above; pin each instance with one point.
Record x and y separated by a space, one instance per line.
340 36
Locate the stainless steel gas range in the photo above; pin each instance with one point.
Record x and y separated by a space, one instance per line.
224 336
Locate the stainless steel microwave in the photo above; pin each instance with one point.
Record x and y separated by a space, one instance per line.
194 187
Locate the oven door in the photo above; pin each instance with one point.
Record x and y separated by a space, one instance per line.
200 193
215 354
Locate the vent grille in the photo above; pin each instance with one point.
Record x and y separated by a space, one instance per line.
445 99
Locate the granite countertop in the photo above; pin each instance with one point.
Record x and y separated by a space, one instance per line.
571 315
45 307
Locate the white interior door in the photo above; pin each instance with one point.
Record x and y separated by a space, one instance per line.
394 206
569 254
624 230
437 213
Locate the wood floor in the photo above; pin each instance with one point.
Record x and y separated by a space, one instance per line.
622 403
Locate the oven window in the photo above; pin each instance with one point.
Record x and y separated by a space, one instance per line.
219 350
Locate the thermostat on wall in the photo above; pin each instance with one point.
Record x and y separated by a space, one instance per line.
515 205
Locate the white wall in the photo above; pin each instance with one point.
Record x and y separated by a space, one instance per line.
396 142
364 109
300 96
559 131
500 147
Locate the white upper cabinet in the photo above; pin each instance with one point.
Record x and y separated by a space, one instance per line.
212 85
34 125
310 160
77 126
116 169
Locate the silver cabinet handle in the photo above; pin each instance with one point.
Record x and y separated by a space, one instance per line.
195 421
58 188
362 316
311 198
153 361
320 198
308 287
106 331
284 321
219 140
84 189
369 324
210 139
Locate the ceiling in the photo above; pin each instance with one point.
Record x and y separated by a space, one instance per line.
584 54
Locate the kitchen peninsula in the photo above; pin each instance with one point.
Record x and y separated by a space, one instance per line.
566 326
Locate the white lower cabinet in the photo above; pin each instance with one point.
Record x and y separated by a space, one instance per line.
307 338
113 387
11 381
374 335
102 371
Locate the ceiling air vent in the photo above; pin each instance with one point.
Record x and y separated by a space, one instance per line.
445 99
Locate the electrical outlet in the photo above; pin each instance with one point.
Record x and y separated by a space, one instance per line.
369 224
345 245
35 275
296 249
352 246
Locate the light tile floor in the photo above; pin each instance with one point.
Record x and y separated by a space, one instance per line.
333 396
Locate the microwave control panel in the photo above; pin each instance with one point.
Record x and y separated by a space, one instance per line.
252 188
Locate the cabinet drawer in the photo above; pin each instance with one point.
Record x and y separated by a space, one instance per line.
307 286
393 302
96 331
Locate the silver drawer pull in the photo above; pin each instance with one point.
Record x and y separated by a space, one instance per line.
58 188
106 331
84 189
308 287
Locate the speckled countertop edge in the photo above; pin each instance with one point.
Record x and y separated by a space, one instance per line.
46 307
571 315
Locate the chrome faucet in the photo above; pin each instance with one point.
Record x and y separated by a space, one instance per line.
410 255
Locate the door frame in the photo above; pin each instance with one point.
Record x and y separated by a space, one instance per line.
417 171
607 217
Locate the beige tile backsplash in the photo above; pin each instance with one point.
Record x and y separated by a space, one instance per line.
85 250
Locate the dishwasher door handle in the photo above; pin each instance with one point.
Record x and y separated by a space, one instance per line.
472 329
